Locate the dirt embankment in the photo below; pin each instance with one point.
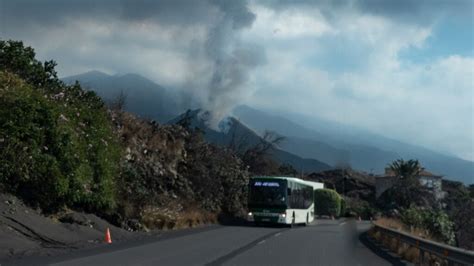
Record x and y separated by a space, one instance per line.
25 231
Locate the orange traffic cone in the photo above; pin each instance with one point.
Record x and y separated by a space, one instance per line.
108 239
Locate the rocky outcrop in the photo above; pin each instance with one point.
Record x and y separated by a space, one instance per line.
169 172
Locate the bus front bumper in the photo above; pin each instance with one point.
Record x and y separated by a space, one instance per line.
280 218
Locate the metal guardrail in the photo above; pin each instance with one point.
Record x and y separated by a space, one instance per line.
445 252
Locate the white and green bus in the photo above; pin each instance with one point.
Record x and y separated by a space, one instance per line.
282 200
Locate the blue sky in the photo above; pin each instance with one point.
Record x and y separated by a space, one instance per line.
403 69
451 35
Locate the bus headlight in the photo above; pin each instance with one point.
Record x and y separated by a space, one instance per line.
283 215
250 213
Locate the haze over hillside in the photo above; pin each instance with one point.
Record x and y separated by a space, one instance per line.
340 144
143 96
234 133
320 140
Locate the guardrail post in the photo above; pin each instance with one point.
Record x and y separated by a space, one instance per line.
398 244
422 256
448 261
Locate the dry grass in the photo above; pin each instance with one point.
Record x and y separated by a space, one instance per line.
169 219
405 251
390 223
411 254
393 244
195 217
398 225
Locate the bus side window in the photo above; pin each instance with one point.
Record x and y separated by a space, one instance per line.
288 192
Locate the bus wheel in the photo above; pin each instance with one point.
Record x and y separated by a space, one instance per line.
307 219
293 220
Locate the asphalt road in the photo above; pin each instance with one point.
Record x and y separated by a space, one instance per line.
324 243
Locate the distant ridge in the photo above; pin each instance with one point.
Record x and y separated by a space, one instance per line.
238 130
338 144
143 96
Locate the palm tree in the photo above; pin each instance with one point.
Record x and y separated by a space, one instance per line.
407 189
406 169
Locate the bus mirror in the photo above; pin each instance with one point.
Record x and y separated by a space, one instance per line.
288 192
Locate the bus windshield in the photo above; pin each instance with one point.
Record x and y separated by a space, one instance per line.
267 193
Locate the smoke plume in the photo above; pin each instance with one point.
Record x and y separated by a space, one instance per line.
230 60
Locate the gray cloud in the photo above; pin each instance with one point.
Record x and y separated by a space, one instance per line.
206 48
47 12
421 12
168 12
227 59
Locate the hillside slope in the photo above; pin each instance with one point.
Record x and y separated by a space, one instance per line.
338 144
233 132
143 97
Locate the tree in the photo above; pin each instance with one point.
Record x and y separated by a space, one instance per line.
239 141
120 101
406 169
460 207
287 170
258 157
20 60
407 190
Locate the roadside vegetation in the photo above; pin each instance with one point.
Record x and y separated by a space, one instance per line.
410 207
57 147
407 205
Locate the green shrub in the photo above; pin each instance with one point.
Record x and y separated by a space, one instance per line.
437 222
327 202
57 146
360 208
414 217
343 207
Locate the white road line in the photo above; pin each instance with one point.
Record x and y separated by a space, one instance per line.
342 223
277 234
261 242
